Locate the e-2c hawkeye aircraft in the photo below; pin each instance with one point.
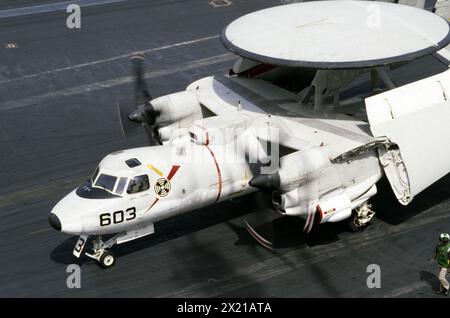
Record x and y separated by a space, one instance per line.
310 113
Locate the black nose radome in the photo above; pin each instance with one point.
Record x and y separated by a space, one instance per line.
54 222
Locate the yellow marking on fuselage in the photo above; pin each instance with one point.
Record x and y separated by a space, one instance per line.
155 170
235 193
245 178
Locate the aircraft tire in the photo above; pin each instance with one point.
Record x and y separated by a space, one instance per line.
107 259
355 228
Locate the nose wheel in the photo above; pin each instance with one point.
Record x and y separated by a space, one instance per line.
101 252
107 259
104 258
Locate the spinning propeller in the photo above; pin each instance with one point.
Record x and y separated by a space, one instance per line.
142 112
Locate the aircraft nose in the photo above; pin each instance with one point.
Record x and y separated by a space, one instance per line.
54 222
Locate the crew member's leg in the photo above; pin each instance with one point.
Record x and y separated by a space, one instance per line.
442 279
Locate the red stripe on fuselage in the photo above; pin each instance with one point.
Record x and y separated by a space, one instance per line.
219 174
172 172
151 206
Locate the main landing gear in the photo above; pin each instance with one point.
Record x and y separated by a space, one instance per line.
361 218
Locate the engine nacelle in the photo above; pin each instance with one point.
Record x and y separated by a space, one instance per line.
336 207
307 180
302 179
288 203
176 111
294 203
167 133
299 167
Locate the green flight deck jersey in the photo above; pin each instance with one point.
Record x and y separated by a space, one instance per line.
441 253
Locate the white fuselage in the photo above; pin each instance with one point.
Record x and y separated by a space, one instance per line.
199 175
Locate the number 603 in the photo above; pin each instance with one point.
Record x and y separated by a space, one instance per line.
117 217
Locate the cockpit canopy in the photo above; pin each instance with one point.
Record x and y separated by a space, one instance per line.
116 184
138 184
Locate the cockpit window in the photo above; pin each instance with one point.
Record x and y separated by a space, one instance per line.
133 163
94 175
138 184
106 181
121 185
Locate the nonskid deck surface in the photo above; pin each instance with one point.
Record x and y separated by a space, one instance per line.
57 120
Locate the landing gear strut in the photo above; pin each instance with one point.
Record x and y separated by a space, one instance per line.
362 217
101 252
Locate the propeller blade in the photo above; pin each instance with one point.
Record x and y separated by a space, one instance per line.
143 112
127 127
261 222
142 95
152 141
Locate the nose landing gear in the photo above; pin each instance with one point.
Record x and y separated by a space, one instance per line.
101 252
